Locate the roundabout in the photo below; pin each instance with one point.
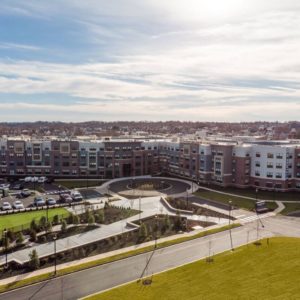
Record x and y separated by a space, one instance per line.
149 186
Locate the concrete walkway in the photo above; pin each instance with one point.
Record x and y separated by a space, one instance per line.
100 256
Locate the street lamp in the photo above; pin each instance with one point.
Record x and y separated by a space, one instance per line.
187 198
5 243
229 223
54 239
156 218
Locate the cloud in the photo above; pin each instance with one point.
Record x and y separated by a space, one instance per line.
187 60
18 46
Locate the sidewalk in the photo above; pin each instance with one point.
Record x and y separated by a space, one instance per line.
101 256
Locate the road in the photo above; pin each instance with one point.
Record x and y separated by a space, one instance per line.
97 279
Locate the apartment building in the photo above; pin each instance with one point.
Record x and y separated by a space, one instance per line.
261 164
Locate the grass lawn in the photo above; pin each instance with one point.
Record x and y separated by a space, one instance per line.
264 195
236 201
19 219
290 207
250 272
70 184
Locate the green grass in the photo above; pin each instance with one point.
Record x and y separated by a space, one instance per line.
68 270
250 272
263 195
70 184
290 207
23 219
236 201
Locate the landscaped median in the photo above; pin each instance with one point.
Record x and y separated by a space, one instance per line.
267 271
97 262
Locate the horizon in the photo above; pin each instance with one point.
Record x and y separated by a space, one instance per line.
231 61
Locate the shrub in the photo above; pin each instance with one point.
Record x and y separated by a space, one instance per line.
91 220
33 225
43 239
101 216
43 222
33 235
11 235
20 238
48 226
76 220
34 261
63 226
55 220
71 219
143 232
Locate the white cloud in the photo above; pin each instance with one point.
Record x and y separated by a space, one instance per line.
181 59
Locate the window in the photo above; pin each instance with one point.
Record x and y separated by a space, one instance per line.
257 154
279 166
269 165
279 156
278 175
270 155
269 174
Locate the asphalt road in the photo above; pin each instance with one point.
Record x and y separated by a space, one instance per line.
97 279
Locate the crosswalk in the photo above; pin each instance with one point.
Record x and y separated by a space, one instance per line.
255 217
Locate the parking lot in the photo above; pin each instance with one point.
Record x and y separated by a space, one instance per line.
28 201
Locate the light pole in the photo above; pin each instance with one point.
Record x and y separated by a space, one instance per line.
54 239
229 223
5 243
156 223
140 208
187 198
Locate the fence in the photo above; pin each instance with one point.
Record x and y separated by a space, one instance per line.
26 226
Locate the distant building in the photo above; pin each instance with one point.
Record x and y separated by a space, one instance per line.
271 165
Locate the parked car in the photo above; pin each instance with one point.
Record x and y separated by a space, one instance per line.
6 206
27 179
4 186
42 179
25 193
51 201
66 198
16 186
39 201
18 205
76 196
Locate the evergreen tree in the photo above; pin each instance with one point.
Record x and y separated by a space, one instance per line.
63 226
20 238
34 261
76 220
143 232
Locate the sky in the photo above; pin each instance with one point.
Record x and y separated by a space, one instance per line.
194 60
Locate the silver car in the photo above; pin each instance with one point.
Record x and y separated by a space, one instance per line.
6 206
18 205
